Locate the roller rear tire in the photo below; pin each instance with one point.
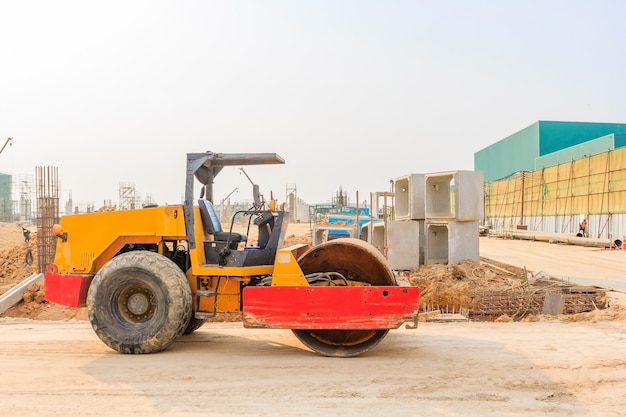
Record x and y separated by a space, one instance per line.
139 302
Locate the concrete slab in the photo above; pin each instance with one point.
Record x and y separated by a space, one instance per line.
15 294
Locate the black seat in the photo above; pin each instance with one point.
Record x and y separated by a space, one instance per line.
212 225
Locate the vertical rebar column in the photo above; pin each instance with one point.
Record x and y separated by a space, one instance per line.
47 214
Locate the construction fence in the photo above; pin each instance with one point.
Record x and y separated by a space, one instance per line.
555 199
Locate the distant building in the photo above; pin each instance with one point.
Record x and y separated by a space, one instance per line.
546 143
551 175
7 205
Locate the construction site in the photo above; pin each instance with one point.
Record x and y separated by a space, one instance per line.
417 225
496 299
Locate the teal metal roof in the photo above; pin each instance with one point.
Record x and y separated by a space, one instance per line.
555 136
591 147
522 150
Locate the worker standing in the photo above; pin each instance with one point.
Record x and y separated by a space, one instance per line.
583 228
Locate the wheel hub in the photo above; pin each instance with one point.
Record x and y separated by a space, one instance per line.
138 304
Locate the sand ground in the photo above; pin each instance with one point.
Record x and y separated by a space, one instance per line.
440 369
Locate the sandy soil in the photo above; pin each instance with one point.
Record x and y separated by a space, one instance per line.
440 369
13 266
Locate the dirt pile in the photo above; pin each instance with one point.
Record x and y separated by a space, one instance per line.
10 234
490 291
35 306
18 258
18 261
294 239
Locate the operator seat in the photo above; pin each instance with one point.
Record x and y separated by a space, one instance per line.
212 225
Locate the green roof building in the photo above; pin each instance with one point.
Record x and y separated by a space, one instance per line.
546 143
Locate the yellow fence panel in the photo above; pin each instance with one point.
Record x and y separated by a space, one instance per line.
591 185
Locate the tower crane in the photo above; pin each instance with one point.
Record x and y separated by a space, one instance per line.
5 144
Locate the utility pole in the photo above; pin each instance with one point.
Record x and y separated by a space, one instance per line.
5 144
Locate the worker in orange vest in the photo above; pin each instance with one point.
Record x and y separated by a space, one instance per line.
583 228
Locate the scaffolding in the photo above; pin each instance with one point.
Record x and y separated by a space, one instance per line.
555 199
47 186
128 197
12 209
147 201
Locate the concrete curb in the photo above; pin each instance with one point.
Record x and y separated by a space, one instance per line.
15 294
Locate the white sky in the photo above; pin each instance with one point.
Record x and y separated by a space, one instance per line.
351 93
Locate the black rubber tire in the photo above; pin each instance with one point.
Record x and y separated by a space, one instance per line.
139 302
193 325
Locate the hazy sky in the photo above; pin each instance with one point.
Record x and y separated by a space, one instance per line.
351 94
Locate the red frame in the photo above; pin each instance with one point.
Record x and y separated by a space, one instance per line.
66 289
358 307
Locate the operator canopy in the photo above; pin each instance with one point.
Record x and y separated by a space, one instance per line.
206 166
